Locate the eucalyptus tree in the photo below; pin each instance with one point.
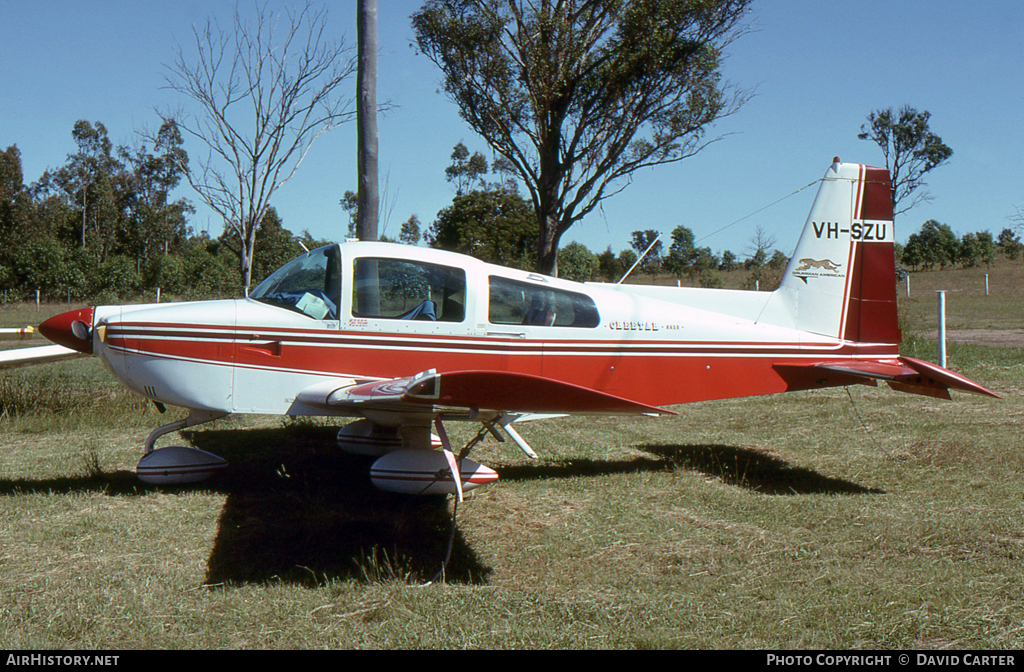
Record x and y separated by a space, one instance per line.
647 245
15 209
265 91
467 172
495 225
682 252
87 181
15 200
488 220
410 233
155 222
576 262
934 244
1009 244
910 149
577 95
608 265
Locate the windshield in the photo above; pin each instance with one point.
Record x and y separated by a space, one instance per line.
309 284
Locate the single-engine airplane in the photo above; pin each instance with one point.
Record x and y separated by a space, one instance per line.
404 338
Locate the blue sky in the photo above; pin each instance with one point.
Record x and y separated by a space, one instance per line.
817 70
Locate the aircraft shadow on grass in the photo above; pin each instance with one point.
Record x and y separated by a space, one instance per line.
742 467
752 469
299 510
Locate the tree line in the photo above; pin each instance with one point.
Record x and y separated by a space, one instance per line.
105 226
489 219
936 245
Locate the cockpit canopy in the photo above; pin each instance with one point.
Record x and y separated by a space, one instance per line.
413 288
309 284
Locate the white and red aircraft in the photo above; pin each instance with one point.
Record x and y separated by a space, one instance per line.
403 338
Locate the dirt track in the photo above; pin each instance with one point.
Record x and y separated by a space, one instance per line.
1001 337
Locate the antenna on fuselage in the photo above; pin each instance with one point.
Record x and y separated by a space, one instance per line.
637 262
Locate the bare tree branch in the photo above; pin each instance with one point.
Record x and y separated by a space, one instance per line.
264 90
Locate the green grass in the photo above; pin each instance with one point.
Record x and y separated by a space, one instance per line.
760 523
826 519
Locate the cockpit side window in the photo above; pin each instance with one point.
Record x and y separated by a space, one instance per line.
401 289
515 302
309 284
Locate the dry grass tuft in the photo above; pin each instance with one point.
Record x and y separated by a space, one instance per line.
942 453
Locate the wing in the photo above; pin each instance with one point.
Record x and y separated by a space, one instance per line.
38 355
904 374
501 391
18 334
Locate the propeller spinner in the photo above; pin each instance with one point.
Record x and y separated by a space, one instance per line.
72 329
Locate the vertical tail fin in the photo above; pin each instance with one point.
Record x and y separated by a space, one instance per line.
841 280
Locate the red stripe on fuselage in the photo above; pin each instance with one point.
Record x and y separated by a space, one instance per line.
652 372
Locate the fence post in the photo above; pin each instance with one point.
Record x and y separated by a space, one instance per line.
942 327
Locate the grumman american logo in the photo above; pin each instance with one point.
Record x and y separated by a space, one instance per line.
817 268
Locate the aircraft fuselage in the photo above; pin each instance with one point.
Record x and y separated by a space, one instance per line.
256 356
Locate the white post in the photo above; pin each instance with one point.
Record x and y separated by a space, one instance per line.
986 284
158 295
37 300
908 285
942 327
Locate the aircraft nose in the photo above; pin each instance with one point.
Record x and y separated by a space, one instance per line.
72 329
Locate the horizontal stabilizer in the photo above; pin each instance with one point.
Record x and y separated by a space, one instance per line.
875 370
903 374
935 374
490 390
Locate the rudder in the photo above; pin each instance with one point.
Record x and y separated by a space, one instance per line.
841 280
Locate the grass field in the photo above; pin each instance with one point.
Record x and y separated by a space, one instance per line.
857 518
